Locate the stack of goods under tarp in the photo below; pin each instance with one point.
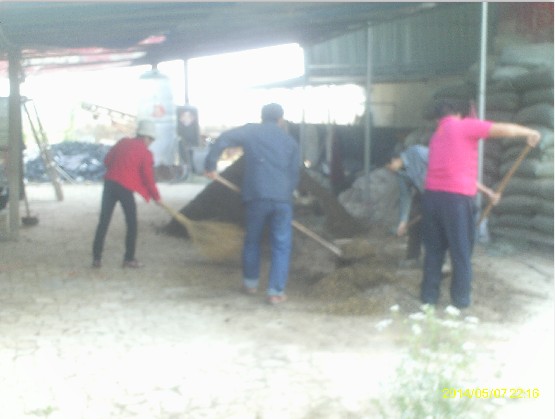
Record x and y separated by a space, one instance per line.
77 161
523 80
519 89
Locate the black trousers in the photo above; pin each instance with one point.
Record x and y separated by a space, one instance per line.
414 243
449 225
112 193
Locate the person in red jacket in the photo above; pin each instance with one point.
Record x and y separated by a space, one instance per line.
129 167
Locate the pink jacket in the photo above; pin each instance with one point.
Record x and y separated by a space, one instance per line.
453 158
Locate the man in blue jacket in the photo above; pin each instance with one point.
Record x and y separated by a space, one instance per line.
271 175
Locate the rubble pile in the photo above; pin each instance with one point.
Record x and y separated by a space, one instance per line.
373 199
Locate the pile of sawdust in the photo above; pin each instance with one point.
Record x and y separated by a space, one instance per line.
352 283
360 281
358 249
367 282
218 203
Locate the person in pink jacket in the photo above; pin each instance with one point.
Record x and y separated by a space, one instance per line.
449 191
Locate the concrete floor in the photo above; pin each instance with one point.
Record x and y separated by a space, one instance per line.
79 343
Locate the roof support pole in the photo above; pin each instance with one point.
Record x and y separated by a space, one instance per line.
368 116
302 130
186 80
15 169
368 113
482 91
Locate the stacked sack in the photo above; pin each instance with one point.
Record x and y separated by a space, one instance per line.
526 210
519 89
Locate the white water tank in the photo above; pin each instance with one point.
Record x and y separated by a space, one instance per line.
156 105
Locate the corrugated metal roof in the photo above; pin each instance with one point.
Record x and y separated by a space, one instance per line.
441 41
58 34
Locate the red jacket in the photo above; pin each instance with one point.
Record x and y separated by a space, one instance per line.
130 163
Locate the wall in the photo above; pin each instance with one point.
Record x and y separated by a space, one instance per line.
401 105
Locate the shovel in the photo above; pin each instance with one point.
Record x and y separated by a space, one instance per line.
330 246
505 180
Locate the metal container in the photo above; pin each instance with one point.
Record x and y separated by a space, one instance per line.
156 104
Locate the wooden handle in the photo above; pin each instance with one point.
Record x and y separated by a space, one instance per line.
184 221
296 224
227 183
506 178
316 237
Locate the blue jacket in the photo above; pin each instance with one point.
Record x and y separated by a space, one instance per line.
412 175
271 160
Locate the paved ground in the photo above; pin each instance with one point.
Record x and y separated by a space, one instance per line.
160 342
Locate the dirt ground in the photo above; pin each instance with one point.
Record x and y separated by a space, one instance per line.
327 325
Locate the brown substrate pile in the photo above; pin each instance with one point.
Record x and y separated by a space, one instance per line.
357 249
337 220
216 202
366 282
373 283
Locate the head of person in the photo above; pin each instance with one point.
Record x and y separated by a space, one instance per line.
446 107
272 112
395 162
147 131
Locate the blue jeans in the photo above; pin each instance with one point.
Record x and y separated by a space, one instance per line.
278 215
448 223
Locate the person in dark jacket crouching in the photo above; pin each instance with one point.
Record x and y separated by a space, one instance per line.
271 176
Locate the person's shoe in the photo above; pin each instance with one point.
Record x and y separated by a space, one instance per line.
96 263
276 299
132 264
249 290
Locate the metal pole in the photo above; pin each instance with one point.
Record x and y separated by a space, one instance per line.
186 77
368 114
482 92
302 129
15 171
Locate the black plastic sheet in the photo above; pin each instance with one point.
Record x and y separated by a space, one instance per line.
77 161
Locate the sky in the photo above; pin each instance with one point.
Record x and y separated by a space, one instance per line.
222 87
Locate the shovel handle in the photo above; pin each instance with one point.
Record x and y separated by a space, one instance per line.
296 224
316 237
227 183
184 221
504 182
